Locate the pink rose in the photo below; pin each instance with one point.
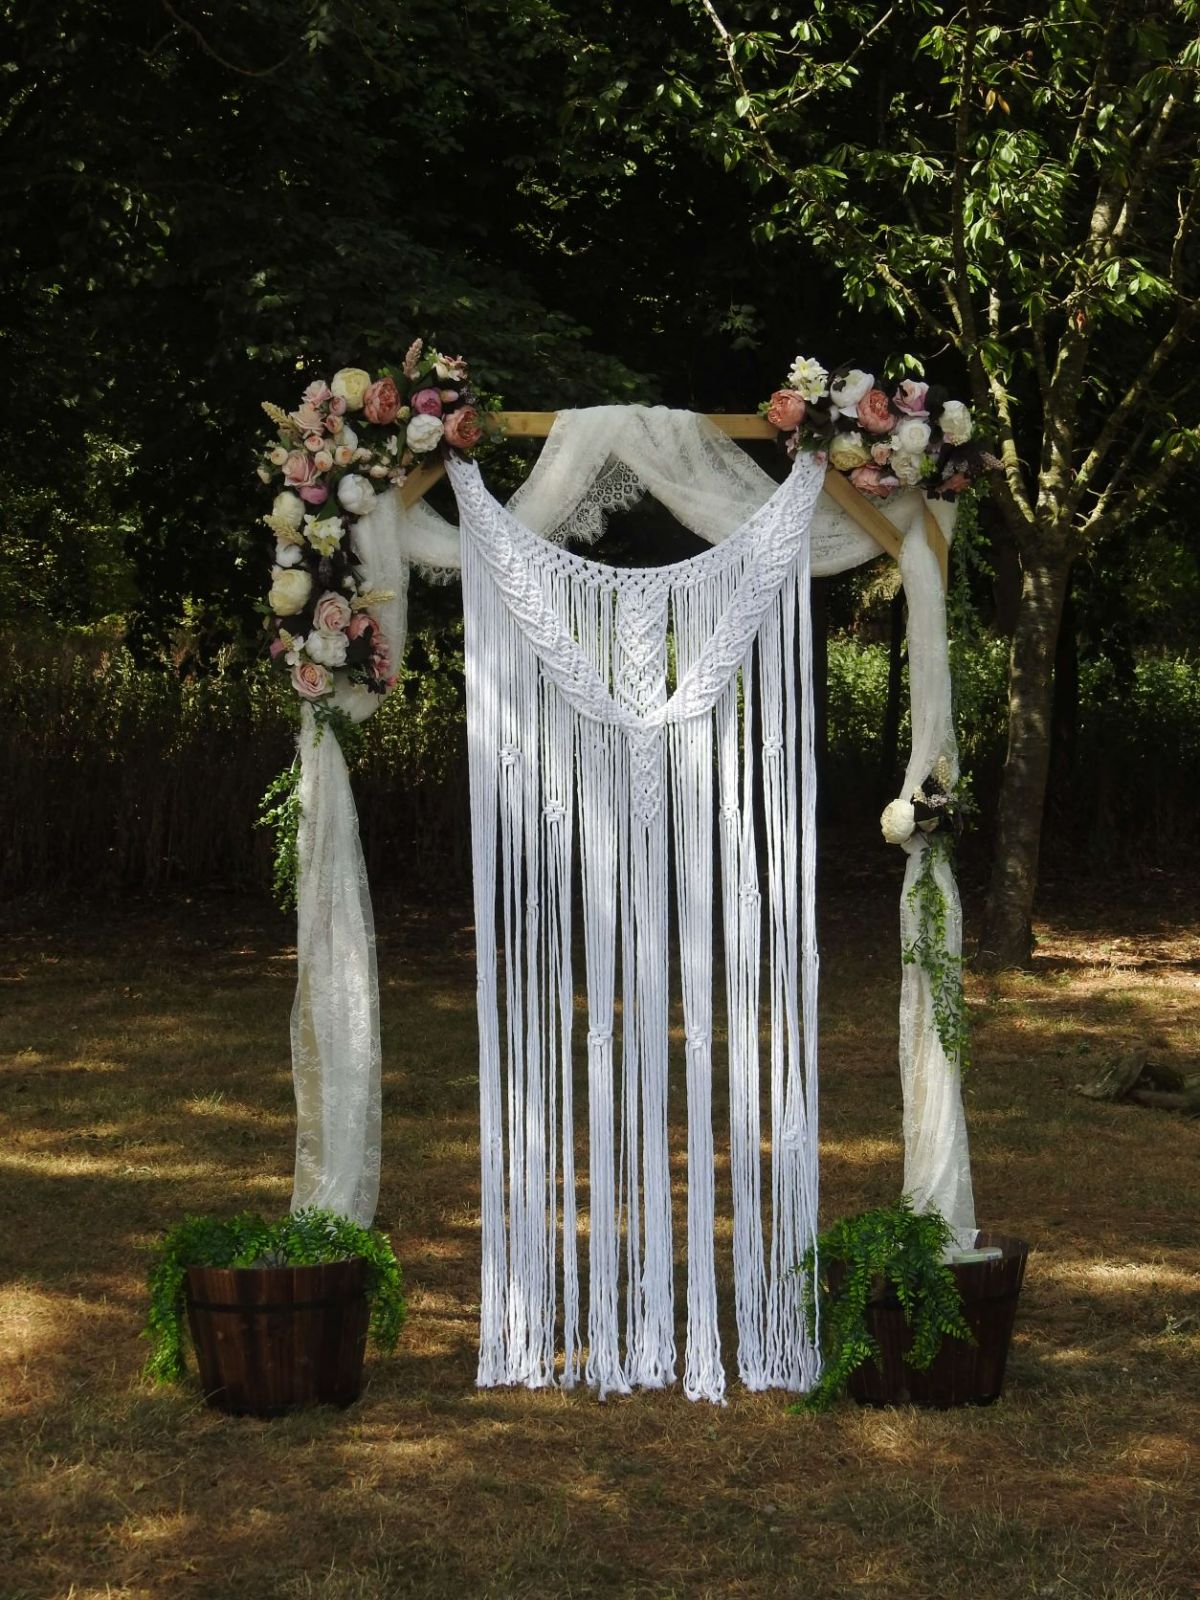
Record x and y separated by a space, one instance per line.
881 454
331 614
337 404
310 680
874 412
426 403
462 428
314 494
359 624
381 402
787 410
298 469
316 394
314 442
873 480
309 420
910 398
334 423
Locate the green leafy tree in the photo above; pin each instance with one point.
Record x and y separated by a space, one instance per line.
1020 190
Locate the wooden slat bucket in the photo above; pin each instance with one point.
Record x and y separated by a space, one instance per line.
961 1374
270 1339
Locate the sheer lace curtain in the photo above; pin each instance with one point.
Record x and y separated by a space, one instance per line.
595 461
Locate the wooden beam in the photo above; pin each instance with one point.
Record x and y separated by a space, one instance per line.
843 493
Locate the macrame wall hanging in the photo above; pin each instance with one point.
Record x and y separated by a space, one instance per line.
593 736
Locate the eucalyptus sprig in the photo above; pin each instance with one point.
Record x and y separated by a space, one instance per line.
308 1237
907 1251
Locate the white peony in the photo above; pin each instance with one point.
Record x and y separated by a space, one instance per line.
424 433
898 822
326 649
355 494
351 385
808 378
911 436
287 555
290 590
955 422
848 389
847 451
907 466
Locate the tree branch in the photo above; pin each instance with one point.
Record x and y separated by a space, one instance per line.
230 66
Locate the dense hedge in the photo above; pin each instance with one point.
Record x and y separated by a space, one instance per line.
116 776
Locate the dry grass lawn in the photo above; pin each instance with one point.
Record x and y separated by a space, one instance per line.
145 1074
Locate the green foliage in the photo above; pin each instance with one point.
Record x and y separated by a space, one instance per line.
928 951
280 810
906 1251
306 1238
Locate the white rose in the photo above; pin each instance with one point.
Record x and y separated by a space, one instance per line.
288 508
907 466
955 422
348 437
326 649
847 451
350 385
808 378
290 589
898 822
911 436
355 494
848 389
287 555
424 433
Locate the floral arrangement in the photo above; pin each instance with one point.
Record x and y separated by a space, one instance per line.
348 441
884 437
935 806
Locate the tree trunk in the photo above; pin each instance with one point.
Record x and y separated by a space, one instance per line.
1008 932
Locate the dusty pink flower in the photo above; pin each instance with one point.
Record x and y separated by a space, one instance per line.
462 428
787 410
277 647
954 484
337 405
298 469
881 454
359 624
381 402
314 442
311 680
426 403
873 480
334 423
331 614
910 398
316 394
314 494
874 412
309 419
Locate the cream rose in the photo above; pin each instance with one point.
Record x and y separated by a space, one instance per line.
847 451
848 389
311 680
899 822
911 436
424 433
351 385
290 590
955 422
355 494
909 468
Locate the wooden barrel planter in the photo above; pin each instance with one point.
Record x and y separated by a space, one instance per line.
271 1339
962 1374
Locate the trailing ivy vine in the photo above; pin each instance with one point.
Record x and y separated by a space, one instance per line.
928 951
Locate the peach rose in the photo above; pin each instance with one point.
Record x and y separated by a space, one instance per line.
381 402
331 614
462 428
874 412
311 680
298 469
323 460
872 480
881 453
787 410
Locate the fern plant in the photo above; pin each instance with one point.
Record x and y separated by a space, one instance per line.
307 1238
906 1250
